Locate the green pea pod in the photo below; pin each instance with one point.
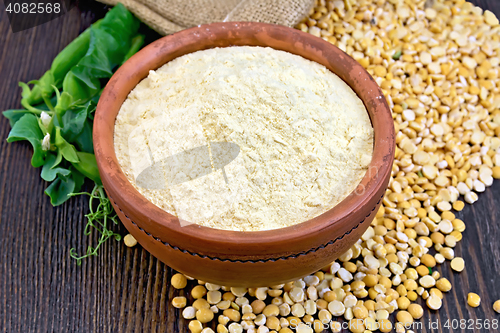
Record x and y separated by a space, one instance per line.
135 46
79 90
70 56
64 102
61 65
88 166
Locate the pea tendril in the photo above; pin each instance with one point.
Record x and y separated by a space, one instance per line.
98 219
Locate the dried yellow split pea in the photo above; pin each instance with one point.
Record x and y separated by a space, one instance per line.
473 300
129 240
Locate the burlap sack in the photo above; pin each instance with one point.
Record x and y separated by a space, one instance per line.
169 16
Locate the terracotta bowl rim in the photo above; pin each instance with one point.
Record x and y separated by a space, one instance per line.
116 182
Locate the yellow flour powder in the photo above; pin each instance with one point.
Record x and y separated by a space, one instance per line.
301 139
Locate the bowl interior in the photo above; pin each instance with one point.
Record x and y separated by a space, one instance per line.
234 243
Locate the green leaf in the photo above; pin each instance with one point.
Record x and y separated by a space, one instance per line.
46 82
67 150
74 121
397 55
42 128
26 128
84 141
14 115
70 56
50 172
60 189
64 102
78 178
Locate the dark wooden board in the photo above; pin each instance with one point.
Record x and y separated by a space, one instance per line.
128 290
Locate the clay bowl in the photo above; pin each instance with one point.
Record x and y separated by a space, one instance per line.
237 258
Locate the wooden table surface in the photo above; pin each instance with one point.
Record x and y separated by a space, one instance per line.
127 290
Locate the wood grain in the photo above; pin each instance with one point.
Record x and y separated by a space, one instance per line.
127 290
